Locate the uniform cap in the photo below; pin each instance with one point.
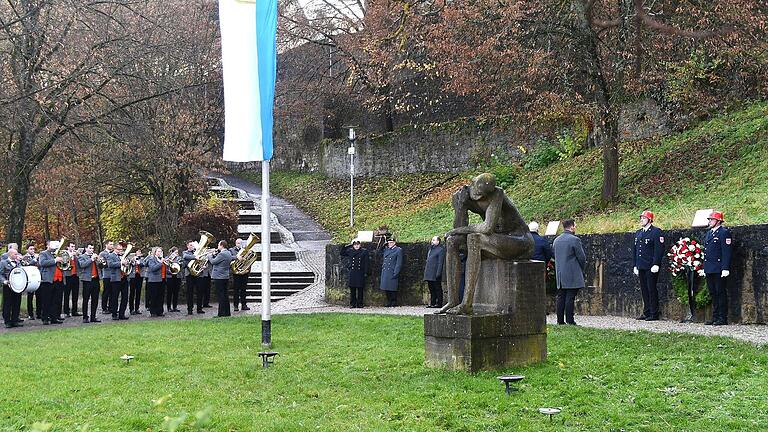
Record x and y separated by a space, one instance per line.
716 215
533 226
648 214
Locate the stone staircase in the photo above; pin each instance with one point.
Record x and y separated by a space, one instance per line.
288 274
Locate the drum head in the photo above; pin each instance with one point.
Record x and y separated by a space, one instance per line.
24 279
18 280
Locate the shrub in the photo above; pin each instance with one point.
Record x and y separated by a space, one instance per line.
213 215
542 156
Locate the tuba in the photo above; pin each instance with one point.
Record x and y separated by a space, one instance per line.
65 265
126 263
248 255
197 265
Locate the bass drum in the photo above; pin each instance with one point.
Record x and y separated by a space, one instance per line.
24 279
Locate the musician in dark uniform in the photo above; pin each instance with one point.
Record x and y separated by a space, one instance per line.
392 263
358 265
11 299
106 276
718 249
134 282
239 281
172 281
204 284
47 264
646 261
219 266
155 270
29 259
71 283
88 273
118 283
191 280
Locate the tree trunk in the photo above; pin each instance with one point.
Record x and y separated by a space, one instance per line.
605 133
17 211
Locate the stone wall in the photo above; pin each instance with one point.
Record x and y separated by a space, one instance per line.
612 288
308 144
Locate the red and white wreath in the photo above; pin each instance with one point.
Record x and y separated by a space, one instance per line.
686 254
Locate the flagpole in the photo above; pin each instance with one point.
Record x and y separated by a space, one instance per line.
266 258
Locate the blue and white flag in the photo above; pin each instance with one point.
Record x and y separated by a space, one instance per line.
249 58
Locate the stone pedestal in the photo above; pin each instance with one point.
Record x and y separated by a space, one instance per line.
508 327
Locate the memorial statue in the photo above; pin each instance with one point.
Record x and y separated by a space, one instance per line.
503 234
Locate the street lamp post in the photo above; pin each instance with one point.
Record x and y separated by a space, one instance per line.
351 152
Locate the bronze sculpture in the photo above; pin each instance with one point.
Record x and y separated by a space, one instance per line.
503 234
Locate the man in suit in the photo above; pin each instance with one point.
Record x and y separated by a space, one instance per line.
571 261
106 276
11 299
433 272
47 264
71 284
118 284
358 270
718 249
646 260
88 273
190 280
219 264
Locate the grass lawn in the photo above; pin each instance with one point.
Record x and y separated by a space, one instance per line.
340 372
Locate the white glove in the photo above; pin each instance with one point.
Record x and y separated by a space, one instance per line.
725 273
636 271
655 269
701 273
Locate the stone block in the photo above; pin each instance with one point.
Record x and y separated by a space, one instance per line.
508 327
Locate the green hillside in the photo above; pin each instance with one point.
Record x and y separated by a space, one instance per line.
722 163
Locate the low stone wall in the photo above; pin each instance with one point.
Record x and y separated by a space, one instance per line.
612 288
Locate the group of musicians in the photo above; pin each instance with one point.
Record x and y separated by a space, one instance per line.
119 278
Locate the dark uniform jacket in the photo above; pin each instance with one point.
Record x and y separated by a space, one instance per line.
542 251
47 264
433 269
571 261
357 264
648 248
718 247
391 265
6 265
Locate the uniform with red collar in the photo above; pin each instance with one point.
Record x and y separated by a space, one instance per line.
718 249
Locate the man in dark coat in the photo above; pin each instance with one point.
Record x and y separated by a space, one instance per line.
646 259
433 272
542 250
571 262
357 265
718 249
392 263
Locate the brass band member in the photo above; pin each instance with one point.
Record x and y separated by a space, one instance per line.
118 283
172 281
219 263
71 283
239 282
191 281
30 259
204 284
155 270
11 299
135 280
106 276
47 263
88 273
